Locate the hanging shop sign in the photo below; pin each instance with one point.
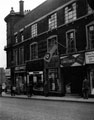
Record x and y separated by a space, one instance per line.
89 57
72 60
48 56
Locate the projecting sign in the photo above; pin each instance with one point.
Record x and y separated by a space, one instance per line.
89 57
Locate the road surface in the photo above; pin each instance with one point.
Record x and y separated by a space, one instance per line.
28 109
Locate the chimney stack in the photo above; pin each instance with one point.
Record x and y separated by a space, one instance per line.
21 6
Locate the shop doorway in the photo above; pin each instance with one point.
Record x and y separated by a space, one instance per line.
92 81
73 78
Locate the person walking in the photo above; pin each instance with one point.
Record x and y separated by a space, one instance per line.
85 88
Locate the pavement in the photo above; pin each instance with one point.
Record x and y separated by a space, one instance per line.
67 98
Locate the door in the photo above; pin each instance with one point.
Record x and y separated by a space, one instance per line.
92 81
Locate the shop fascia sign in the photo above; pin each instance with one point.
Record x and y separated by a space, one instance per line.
35 72
72 60
20 68
89 57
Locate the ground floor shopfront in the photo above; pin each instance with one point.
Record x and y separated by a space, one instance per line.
89 57
60 76
74 71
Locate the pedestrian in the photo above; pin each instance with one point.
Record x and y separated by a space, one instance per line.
46 89
11 90
85 88
14 90
30 89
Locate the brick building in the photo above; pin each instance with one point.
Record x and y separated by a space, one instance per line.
53 44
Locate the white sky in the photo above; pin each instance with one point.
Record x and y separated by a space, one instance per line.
5 7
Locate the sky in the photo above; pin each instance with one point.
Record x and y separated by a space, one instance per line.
5 7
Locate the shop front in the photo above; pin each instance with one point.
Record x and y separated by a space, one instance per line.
35 75
20 79
73 71
52 77
89 58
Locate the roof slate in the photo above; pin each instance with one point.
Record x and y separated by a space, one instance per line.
43 9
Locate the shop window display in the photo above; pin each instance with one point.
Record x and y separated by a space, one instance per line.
54 83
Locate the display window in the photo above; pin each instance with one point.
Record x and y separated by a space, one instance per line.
20 84
37 79
53 78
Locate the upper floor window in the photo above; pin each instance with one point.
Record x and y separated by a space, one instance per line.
50 44
90 33
21 55
16 39
90 10
15 57
22 36
70 13
53 21
70 41
34 51
34 30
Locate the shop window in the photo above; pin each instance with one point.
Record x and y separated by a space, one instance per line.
54 83
34 30
21 55
37 79
70 13
50 43
53 21
34 51
70 41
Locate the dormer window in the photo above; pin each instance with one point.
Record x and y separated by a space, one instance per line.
34 30
52 21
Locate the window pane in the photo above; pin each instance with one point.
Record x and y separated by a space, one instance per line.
70 13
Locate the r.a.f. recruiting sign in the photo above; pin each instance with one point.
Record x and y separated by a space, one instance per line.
48 56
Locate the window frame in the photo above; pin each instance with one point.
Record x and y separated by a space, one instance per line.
52 21
15 56
88 46
34 57
34 30
67 48
21 55
70 13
